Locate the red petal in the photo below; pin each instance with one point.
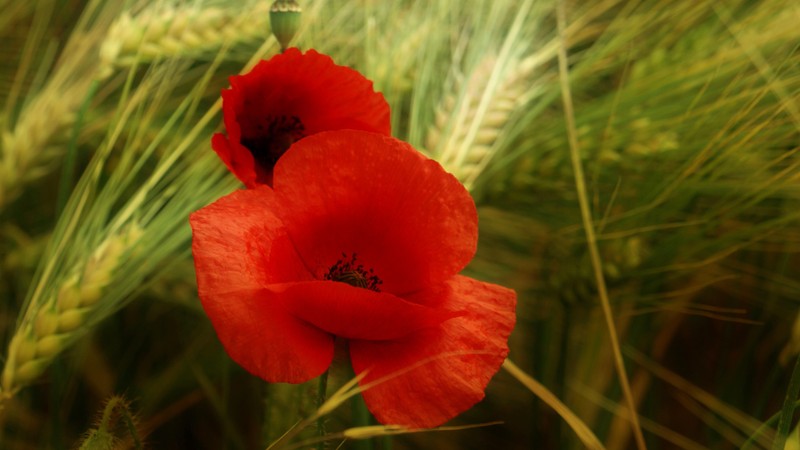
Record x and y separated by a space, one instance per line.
237 158
427 379
240 247
267 341
400 212
338 97
357 313
311 87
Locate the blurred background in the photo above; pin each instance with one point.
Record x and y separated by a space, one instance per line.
687 124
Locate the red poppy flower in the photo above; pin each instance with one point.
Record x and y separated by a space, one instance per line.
361 238
286 98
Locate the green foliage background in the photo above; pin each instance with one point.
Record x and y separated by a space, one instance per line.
687 123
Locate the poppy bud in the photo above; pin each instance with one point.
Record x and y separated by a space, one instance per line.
284 17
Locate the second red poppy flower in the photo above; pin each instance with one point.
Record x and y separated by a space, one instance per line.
286 98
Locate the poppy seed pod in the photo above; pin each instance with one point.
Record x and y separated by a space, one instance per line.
284 18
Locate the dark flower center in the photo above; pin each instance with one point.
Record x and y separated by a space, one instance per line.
273 136
348 271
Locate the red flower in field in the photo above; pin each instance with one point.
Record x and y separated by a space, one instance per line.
286 98
360 238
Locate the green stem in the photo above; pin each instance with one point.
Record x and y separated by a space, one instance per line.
323 386
67 181
126 417
266 429
361 418
765 426
785 421
117 409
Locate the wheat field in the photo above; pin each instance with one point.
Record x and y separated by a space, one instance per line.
634 164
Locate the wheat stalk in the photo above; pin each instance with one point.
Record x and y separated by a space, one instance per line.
474 119
159 32
47 328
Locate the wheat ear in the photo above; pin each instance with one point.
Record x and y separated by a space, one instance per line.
33 146
463 153
159 32
33 143
48 326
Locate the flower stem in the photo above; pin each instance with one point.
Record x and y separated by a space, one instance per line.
361 418
785 420
323 386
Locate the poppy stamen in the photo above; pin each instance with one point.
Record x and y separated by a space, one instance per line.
273 137
346 271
